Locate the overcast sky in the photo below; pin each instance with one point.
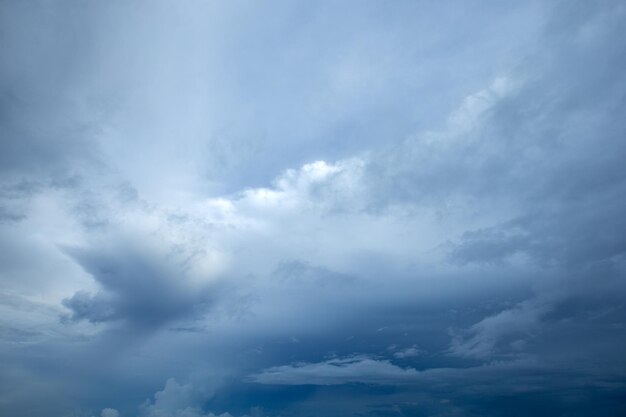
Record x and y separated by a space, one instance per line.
315 208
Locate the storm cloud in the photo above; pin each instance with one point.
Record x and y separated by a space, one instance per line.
228 209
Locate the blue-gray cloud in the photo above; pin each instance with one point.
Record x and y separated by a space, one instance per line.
135 288
226 209
360 369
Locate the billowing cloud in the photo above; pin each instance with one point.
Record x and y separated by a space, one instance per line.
135 288
176 400
330 209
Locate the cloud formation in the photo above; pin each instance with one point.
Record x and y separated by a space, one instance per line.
312 209
361 369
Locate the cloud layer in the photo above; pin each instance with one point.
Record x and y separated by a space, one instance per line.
227 209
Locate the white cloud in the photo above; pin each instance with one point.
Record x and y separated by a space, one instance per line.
409 352
110 412
355 369
177 400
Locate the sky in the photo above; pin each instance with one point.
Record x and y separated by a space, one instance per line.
312 209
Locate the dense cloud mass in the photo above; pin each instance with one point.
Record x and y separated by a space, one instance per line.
286 209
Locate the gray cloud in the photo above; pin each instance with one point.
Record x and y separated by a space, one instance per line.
360 369
228 195
135 288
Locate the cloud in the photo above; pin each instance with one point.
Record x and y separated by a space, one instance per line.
110 412
355 369
227 193
409 352
514 325
176 400
299 274
142 284
314 186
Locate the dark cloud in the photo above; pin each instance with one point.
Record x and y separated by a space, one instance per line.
319 210
135 288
